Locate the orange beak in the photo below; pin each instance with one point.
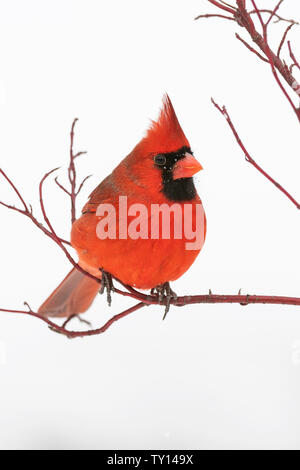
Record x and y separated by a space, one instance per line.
186 167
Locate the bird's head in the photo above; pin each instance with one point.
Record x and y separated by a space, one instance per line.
163 159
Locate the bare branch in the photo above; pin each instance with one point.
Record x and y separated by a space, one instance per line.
273 12
284 38
72 173
50 232
61 186
251 48
82 184
152 300
279 18
249 159
27 212
292 55
14 189
76 334
278 66
275 62
222 6
42 202
215 16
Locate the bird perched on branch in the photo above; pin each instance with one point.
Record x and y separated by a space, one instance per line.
139 223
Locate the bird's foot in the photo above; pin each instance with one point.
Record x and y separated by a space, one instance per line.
78 318
106 285
165 295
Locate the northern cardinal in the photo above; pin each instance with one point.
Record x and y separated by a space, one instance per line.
158 171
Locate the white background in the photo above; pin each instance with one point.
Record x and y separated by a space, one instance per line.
209 376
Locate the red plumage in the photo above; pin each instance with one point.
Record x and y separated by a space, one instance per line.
143 263
165 134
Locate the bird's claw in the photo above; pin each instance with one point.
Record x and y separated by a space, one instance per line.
165 296
106 285
82 320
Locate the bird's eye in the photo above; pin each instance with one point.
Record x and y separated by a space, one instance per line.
160 160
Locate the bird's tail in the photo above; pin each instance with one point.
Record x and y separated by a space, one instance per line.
74 295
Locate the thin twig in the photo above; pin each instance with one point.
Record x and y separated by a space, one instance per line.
15 190
72 173
292 55
61 186
27 211
76 334
222 6
273 12
46 219
251 48
215 16
249 159
284 38
82 184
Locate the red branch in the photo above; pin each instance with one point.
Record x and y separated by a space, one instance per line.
244 19
27 211
50 232
275 62
249 159
284 38
75 334
292 55
73 193
222 6
251 48
152 300
215 16
271 12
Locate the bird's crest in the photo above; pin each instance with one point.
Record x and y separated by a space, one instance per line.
165 134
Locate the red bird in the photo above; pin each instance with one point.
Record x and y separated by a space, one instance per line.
157 173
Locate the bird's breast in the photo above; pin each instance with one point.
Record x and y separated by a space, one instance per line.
143 243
